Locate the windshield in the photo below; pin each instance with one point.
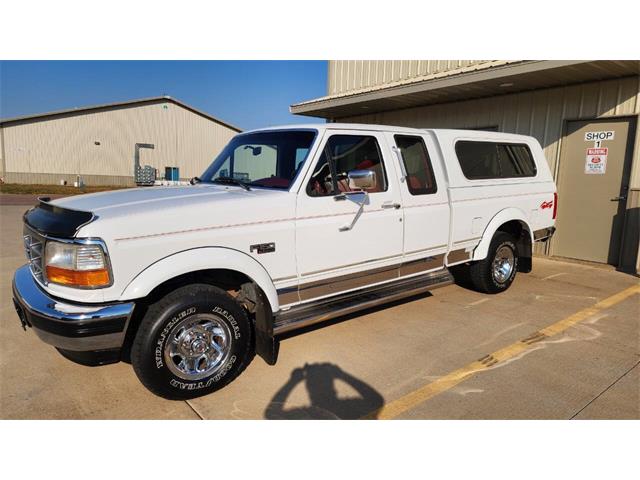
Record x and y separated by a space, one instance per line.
270 159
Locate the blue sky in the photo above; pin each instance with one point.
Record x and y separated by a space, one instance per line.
248 94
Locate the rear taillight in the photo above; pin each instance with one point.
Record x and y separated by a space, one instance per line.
555 204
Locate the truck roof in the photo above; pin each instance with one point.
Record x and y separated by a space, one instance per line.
392 128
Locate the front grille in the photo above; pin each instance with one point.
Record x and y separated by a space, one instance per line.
34 248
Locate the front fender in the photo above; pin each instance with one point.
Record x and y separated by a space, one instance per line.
502 217
201 259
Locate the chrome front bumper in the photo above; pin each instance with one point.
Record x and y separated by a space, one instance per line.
72 327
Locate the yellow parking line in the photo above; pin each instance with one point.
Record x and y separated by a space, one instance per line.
401 405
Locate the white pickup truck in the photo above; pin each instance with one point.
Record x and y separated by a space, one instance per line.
288 227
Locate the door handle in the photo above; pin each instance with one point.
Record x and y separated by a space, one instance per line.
618 199
391 205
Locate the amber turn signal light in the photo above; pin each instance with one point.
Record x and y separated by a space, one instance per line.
78 278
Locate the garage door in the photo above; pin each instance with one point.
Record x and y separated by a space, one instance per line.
593 182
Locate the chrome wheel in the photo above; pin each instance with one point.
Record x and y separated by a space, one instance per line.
197 346
503 264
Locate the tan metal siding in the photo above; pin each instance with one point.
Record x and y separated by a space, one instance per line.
55 178
351 75
2 168
198 141
631 243
539 113
66 146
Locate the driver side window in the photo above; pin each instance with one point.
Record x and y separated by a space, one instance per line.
347 153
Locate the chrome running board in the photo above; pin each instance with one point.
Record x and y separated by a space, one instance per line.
322 310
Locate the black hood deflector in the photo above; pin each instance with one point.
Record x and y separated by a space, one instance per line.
56 221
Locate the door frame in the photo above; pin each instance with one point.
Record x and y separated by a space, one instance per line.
323 283
628 167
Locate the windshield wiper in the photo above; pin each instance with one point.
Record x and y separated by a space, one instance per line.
231 181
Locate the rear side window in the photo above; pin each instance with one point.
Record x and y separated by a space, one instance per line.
484 160
420 178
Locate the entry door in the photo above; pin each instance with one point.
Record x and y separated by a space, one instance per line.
593 182
347 240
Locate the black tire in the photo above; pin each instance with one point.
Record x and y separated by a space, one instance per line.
481 273
191 308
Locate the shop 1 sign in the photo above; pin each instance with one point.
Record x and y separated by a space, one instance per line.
598 137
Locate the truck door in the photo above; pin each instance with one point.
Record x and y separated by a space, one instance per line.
425 202
344 239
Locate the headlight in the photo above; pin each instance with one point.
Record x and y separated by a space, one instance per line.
76 264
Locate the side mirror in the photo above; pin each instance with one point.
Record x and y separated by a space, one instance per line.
362 179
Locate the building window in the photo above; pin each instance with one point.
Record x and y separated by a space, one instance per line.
420 179
347 152
486 160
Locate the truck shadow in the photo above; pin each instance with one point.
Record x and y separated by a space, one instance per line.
320 382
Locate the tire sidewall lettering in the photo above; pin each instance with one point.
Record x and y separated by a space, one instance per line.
230 318
182 385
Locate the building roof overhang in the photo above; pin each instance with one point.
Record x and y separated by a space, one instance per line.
475 81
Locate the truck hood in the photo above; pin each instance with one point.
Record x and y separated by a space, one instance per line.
158 210
112 202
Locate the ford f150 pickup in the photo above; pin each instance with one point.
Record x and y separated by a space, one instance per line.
287 227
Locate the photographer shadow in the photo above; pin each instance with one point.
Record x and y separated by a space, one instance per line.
320 381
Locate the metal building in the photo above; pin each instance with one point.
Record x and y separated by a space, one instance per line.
584 113
98 143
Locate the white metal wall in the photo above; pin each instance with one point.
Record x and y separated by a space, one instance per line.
41 150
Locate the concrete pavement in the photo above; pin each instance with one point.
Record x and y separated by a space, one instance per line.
387 356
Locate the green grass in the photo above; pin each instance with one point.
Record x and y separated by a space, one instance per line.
53 189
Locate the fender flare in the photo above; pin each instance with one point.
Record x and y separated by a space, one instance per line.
202 258
502 217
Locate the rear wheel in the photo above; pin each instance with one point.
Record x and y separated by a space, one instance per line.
192 342
496 273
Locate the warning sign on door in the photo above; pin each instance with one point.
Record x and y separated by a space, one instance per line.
596 160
